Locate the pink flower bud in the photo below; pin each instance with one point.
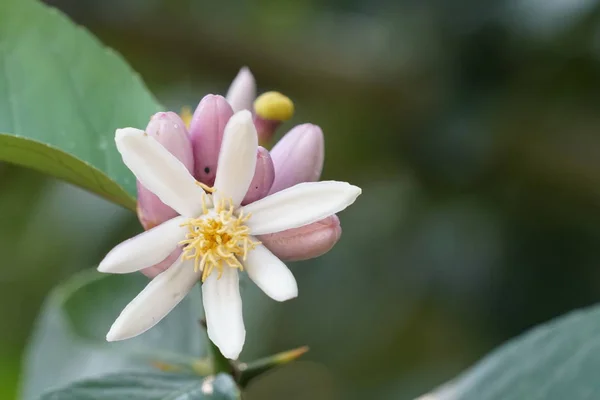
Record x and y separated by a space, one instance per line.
305 242
242 91
298 157
264 174
169 130
206 133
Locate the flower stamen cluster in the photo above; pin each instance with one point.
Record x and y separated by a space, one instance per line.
217 238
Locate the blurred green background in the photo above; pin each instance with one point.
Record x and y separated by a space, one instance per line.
471 125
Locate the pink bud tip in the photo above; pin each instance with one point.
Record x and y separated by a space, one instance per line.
298 157
169 130
264 174
306 242
242 91
206 133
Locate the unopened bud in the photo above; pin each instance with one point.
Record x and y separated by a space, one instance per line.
264 174
305 242
169 130
206 133
242 91
298 157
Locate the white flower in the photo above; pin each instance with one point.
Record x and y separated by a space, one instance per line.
216 233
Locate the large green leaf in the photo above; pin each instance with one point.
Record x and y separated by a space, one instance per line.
136 386
68 342
556 361
62 95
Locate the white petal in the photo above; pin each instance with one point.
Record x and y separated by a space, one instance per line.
146 249
237 158
153 303
223 311
242 92
299 205
159 171
270 274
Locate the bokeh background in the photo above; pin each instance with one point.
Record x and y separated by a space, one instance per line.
471 125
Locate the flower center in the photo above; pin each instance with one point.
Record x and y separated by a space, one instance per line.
217 239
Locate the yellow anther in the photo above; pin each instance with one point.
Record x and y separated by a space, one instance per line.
186 116
274 106
206 188
218 241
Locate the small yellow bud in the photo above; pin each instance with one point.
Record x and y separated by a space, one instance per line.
186 116
274 106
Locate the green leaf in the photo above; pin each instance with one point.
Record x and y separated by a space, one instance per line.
555 361
62 95
68 342
136 386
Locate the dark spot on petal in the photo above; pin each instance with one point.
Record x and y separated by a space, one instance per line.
207 170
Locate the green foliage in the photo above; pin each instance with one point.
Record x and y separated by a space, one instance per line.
555 361
68 344
150 386
62 95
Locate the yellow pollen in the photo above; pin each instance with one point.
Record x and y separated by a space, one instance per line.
274 106
186 116
217 240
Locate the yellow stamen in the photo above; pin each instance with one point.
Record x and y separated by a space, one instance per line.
274 106
206 188
217 241
203 201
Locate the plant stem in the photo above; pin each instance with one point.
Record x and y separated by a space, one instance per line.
219 362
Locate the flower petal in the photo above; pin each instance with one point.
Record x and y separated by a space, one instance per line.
162 266
270 274
159 171
299 205
146 249
223 311
237 159
153 303
169 130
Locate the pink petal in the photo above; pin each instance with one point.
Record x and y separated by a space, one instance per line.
162 266
206 133
264 174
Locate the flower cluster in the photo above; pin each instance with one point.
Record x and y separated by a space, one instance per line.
215 203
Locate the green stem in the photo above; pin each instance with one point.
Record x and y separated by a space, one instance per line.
248 371
220 363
